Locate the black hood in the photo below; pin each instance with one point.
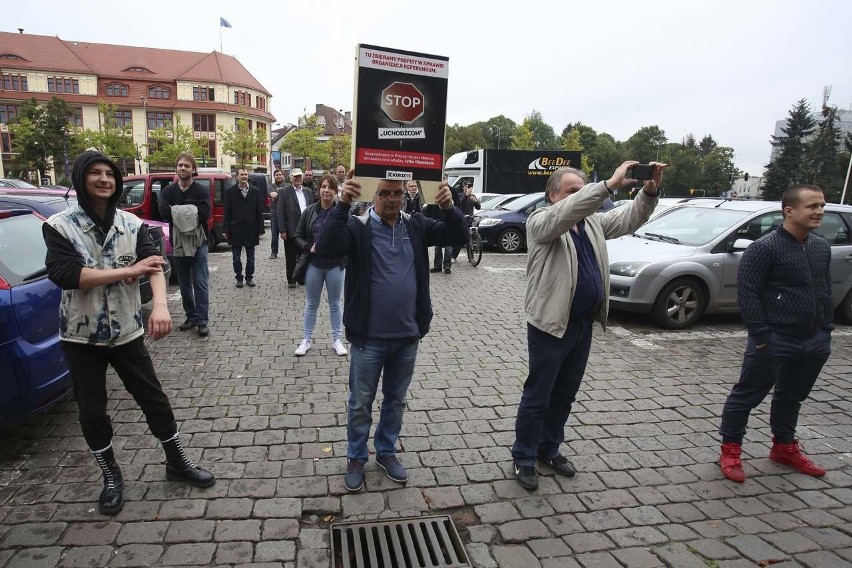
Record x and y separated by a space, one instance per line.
78 179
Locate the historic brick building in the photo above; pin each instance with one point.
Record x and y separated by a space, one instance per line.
151 88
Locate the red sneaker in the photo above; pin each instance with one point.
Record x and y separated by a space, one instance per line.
732 467
791 454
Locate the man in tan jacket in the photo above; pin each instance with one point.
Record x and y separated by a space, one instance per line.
567 288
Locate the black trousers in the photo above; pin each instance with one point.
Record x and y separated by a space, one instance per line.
789 364
274 233
88 366
292 253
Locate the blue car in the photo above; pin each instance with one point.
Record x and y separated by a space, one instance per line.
34 375
506 226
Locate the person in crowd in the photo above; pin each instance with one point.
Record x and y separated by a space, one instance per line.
96 254
566 244
443 258
309 180
340 174
413 203
784 295
274 227
243 225
468 203
294 199
186 206
322 270
388 309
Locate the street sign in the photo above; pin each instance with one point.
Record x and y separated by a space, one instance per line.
403 102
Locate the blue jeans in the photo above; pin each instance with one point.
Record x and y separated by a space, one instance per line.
394 360
236 252
193 277
333 280
557 366
275 232
789 364
443 256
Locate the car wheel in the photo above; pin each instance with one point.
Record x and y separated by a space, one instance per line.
510 240
680 304
844 310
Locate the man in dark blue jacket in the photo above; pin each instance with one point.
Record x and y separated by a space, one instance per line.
387 310
784 293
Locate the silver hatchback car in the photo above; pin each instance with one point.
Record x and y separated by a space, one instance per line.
683 263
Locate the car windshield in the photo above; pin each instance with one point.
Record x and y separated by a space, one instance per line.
691 226
521 202
22 248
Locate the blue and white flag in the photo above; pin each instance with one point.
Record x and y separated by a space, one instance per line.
223 22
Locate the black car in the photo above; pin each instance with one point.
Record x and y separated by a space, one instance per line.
51 203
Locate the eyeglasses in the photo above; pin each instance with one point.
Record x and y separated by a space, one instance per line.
387 194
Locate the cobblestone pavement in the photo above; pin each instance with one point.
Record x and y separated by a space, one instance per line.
272 428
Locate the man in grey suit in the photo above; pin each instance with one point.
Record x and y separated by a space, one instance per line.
292 200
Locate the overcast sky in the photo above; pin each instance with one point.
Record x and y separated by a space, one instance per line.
730 69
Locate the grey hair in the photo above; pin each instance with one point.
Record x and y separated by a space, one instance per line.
556 178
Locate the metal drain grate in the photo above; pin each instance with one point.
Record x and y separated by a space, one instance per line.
416 542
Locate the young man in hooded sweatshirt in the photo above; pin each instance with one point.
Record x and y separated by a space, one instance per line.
96 254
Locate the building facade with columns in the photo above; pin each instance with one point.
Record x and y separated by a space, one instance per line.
149 88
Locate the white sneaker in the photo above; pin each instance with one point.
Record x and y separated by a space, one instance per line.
339 348
303 347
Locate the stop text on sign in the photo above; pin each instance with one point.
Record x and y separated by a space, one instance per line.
402 102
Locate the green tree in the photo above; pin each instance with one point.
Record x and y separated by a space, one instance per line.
524 139
717 170
572 142
166 144
544 138
645 144
822 150
243 143
463 139
788 167
339 150
111 140
40 135
588 135
499 132
706 146
684 172
605 155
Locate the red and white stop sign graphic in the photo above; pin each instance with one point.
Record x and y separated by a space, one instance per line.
402 102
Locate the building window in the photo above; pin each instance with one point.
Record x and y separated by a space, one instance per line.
159 92
6 139
76 118
8 113
15 82
242 98
138 69
159 120
237 124
116 90
210 154
123 119
203 94
204 122
11 56
261 102
63 85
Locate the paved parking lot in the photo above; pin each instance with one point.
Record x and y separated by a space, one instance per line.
272 428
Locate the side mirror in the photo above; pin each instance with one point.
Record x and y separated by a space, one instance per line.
740 245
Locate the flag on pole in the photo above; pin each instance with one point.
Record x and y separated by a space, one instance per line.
223 23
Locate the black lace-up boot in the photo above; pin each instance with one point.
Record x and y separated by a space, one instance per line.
112 497
180 468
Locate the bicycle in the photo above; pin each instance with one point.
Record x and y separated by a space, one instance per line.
474 243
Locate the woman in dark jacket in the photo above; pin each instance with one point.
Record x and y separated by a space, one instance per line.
321 270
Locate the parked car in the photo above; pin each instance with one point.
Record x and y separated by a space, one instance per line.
34 372
47 202
506 227
16 183
683 264
500 200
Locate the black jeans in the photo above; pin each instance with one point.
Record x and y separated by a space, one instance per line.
88 366
236 251
443 256
292 253
274 233
557 366
789 364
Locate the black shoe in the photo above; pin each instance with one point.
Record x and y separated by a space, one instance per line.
447 271
250 283
435 270
187 325
292 285
111 499
560 465
203 330
180 468
526 476
273 256
239 283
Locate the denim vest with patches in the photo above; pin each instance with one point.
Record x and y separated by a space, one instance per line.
106 315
